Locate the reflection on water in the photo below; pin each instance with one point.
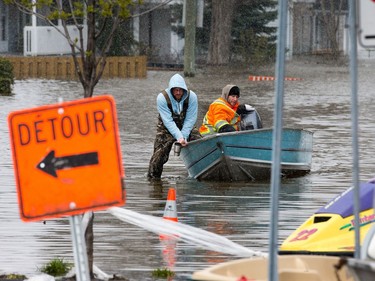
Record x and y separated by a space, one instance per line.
238 211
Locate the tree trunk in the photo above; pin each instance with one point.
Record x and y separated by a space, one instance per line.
190 26
89 62
89 239
220 35
331 19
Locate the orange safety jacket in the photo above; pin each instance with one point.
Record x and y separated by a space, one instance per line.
219 114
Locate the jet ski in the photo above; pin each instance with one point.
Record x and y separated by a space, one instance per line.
330 231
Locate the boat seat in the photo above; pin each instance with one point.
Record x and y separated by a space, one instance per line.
296 270
299 275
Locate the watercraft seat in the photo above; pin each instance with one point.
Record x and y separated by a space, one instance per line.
299 275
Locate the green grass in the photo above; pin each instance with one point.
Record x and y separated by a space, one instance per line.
162 273
13 276
56 267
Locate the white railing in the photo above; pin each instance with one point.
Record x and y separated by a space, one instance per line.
46 40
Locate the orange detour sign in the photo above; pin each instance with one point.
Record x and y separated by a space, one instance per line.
67 158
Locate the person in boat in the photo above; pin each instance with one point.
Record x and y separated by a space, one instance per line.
225 114
178 111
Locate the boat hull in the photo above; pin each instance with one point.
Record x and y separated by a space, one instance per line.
361 270
290 268
247 155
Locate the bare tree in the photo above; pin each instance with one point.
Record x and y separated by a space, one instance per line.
331 11
101 20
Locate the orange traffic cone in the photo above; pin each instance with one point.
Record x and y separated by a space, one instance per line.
169 242
170 211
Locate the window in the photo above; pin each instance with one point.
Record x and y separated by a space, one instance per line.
3 28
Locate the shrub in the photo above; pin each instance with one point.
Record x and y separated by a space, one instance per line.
6 76
164 273
56 267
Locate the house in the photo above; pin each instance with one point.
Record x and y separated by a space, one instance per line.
153 31
308 28
22 34
12 23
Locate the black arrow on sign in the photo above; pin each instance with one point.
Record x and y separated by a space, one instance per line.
50 163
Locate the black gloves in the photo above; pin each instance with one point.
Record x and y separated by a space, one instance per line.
241 109
227 128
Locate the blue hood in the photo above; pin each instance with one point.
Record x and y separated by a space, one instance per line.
177 81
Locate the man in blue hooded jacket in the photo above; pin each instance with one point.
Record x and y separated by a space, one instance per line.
178 110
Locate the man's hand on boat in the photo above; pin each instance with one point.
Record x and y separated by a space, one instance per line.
182 141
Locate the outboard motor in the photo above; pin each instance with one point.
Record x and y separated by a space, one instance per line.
250 120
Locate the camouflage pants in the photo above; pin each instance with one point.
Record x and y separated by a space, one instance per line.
162 148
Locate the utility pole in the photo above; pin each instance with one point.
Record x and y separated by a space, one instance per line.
190 26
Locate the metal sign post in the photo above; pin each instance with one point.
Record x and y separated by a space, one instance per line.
79 249
354 116
276 145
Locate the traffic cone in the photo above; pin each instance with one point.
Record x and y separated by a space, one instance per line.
169 242
170 211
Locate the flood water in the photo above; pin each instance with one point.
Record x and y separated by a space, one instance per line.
321 103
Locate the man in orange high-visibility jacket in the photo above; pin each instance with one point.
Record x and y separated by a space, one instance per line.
224 114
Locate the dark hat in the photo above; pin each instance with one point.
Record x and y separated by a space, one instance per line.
234 91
